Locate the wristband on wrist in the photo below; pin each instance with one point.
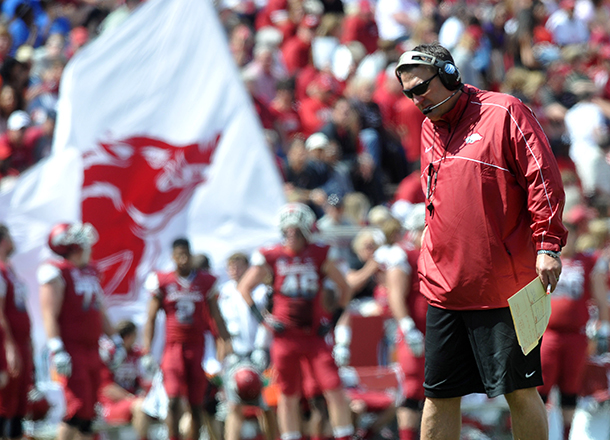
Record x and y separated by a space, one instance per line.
549 253
257 313
406 324
343 335
55 344
336 315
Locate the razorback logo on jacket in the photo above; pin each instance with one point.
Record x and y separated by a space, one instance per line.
471 139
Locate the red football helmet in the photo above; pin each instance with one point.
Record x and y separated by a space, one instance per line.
66 238
248 383
38 406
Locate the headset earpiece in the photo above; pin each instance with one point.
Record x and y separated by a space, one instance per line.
448 74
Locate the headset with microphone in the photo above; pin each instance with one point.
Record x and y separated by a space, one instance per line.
448 73
427 110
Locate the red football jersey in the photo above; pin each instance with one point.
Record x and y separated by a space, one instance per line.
80 318
14 292
297 283
569 311
184 301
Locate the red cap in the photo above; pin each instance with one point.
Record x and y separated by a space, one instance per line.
567 4
79 36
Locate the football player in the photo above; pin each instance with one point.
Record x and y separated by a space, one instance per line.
188 297
298 267
15 326
123 387
74 318
398 271
564 347
250 343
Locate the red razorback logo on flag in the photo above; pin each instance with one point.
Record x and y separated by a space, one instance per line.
131 190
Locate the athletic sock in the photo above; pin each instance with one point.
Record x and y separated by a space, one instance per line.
294 435
408 434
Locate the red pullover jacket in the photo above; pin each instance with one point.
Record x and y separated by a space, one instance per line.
497 197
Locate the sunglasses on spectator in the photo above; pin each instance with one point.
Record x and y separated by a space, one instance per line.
419 89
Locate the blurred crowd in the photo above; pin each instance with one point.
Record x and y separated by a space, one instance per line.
37 39
321 76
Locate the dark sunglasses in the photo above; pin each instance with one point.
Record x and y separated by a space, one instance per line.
419 89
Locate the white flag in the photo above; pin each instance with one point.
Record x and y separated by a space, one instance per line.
156 139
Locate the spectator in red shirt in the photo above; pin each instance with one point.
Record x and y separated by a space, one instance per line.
297 50
361 26
267 117
408 125
265 72
387 95
303 80
9 102
18 140
284 109
315 110
241 42
268 16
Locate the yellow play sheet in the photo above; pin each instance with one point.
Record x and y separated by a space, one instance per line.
531 310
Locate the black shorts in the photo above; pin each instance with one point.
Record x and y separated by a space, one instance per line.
476 352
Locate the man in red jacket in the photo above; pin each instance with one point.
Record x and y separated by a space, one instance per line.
494 202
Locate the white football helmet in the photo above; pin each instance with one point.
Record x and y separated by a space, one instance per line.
297 215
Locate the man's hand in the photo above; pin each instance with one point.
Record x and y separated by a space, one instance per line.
413 337
341 355
548 269
343 339
260 359
149 365
120 353
601 336
267 320
62 362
